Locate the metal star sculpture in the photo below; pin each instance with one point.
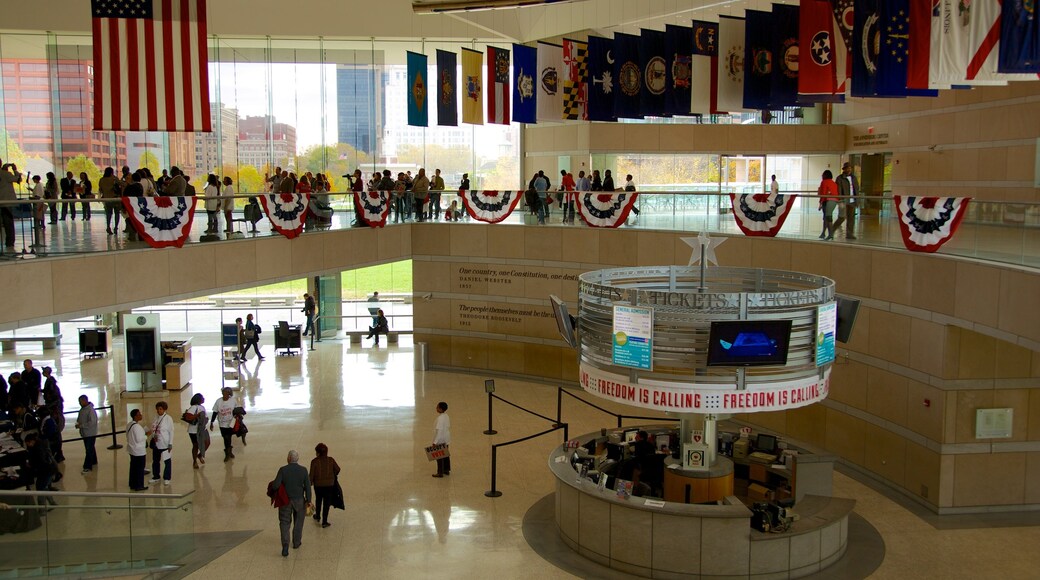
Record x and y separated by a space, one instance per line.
708 243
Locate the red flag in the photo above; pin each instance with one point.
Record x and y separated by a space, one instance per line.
920 43
822 60
151 71
498 85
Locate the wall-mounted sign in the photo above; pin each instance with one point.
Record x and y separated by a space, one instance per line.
694 456
757 398
826 325
993 423
633 337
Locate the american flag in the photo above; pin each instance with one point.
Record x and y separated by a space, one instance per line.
150 65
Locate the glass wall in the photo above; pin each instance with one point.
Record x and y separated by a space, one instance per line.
306 105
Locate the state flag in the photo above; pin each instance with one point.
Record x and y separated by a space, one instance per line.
418 113
472 87
758 59
655 73
920 40
951 46
629 76
549 82
731 64
498 86
601 84
575 81
447 89
984 43
866 47
1019 38
822 55
678 50
784 89
704 68
894 57
525 71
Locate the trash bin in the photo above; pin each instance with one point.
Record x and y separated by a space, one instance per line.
422 356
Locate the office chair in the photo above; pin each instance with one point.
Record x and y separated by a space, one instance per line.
283 336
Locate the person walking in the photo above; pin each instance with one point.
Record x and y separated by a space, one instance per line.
87 423
828 193
848 187
298 489
309 309
224 417
196 414
135 445
774 186
442 436
252 339
323 473
161 442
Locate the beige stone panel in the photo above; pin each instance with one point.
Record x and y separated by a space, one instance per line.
656 249
859 341
837 137
505 356
992 163
142 275
811 258
951 364
579 244
543 243
619 248
674 138
811 138
235 263
967 403
390 243
886 454
1013 361
977 356
436 313
100 270
748 138
431 240
569 286
919 132
503 282
1032 418
989 479
778 138
849 384
192 269
466 240
274 258
505 242
808 424
439 348
710 138
539 138
922 472
1018 401
924 418
916 166
470 278
887 395
337 247
890 336
771 253
308 254
967 125
995 123
963 164
569 364
927 341
467 315
542 361
508 321
942 127
470 353
565 138
30 286
641 137
850 269
1023 121
734 252
606 136
540 323
1021 161
846 436
631 536
541 288
679 561
933 282
892 277
1032 493
431 276
717 537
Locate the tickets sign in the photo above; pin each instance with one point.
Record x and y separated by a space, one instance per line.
679 398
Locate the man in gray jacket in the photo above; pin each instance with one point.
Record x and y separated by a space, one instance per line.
298 487
87 424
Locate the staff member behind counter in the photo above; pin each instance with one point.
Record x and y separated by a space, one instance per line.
645 468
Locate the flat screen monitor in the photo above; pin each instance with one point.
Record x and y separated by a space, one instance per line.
630 436
765 443
140 350
749 343
564 321
848 308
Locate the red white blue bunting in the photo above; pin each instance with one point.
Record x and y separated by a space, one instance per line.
375 206
761 214
162 221
929 222
490 206
605 210
287 212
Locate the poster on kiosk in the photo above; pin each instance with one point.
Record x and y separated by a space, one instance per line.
826 326
633 337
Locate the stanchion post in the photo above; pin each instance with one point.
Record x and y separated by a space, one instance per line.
559 403
489 388
494 473
112 419
566 437
618 421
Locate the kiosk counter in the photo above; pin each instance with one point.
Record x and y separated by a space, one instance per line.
668 539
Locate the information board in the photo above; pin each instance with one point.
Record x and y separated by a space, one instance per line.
229 335
826 325
633 337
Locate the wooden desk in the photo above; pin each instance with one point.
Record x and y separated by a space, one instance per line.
701 486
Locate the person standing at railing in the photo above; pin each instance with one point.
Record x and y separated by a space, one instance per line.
68 191
136 442
436 187
597 182
161 435
357 187
8 177
227 203
176 185
85 190
50 192
108 185
774 187
848 186
828 193
212 194
87 423
421 192
566 200
400 189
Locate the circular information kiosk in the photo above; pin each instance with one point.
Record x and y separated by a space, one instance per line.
700 344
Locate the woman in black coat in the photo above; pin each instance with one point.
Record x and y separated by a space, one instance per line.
382 326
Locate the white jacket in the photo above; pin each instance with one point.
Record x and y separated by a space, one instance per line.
211 193
135 439
162 431
442 430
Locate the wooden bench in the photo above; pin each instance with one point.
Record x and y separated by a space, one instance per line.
7 343
279 300
391 337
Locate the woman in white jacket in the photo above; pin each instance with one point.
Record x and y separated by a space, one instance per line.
227 203
161 437
136 444
213 204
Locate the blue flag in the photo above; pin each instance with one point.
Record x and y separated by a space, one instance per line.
418 113
783 91
525 71
678 50
895 49
602 84
447 89
866 34
1019 38
629 76
655 73
758 59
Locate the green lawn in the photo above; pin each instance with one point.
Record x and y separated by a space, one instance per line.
395 277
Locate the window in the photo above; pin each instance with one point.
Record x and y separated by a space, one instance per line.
33 67
38 95
36 81
71 95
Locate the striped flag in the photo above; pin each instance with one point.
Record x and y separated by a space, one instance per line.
498 85
150 65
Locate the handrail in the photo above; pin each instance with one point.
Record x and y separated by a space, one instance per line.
117 495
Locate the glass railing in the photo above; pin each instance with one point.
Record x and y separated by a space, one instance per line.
997 231
93 534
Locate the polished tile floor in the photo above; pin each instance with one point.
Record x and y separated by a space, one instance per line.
376 414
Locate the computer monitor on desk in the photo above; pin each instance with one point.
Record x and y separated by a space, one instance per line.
765 443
